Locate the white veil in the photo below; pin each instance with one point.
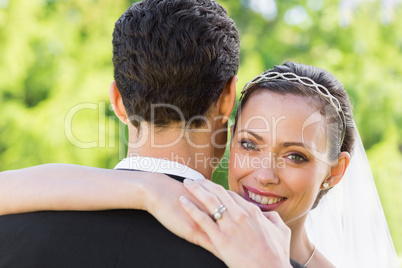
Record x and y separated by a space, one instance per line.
348 226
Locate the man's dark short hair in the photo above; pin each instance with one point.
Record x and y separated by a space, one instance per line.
179 52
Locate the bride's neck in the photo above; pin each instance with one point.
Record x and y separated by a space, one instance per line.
300 246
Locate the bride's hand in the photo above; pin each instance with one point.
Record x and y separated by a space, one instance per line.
162 201
243 236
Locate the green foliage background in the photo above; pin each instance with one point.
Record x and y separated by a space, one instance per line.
55 59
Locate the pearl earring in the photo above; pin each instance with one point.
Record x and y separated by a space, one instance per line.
325 185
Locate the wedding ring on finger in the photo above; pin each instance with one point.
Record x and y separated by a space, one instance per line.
218 212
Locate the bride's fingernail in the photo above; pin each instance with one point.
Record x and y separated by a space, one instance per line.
183 200
188 181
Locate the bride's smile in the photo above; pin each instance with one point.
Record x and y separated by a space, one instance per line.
265 200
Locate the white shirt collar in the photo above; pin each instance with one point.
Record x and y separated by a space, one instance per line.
158 165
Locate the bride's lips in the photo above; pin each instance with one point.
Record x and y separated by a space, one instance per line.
266 201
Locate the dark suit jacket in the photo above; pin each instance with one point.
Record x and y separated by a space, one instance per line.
114 238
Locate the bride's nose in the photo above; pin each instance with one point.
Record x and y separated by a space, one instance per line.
266 175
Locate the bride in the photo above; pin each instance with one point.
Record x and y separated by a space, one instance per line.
292 142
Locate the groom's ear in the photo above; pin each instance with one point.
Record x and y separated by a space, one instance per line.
227 99
117 103
231 136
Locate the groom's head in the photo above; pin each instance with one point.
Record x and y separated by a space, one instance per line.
180 55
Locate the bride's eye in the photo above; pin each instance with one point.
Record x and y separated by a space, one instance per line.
298 158
248 145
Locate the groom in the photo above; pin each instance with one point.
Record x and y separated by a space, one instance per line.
175 65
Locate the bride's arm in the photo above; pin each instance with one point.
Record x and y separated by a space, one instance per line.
72 187
69 187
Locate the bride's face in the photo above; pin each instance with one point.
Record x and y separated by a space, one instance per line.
272 159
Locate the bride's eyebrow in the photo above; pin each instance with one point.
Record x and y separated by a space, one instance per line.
288 144
255 135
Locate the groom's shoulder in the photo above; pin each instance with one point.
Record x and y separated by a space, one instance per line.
114 238
71 238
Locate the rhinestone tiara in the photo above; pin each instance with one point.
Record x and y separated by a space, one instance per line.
306 81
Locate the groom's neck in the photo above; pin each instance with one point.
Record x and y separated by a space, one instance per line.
175 144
